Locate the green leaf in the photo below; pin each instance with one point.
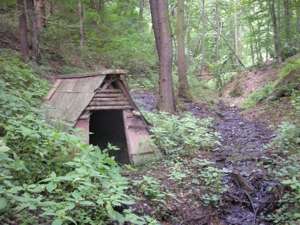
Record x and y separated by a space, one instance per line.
3 204
51 186
57 221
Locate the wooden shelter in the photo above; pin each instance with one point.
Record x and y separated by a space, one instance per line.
100 105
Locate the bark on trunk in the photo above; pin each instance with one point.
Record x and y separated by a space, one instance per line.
287 17
155 24
159 8
276 35
183 87
24 47
141 9
40 14
33 31
237 41
203 36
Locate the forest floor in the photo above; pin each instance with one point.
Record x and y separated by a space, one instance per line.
249 193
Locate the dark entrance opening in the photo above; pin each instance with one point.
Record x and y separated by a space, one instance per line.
107 126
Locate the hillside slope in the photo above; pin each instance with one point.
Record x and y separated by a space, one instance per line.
270 93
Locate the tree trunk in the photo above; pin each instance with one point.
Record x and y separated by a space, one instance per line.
237 41
40 14
23 30
141 9
203 36
287 18
298 16
33 31
218 30
81 28
276 35
159 8
155 24
183 87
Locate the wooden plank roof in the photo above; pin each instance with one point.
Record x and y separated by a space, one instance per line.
92 74
71 96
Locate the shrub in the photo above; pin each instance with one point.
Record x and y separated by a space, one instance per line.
150 187
49 176
258 96
181 134
286 168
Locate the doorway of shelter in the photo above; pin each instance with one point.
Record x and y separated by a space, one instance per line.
107 126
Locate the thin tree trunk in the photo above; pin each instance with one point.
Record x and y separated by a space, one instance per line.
23 30
159 8
183 87
40 13
298 16
218 30
276 35
155 24
34 31
81 28
141 9
237 43
287 17
203 36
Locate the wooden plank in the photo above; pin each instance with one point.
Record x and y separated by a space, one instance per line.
109 103
109 95
53 89
91 74
109 91
109 99
91 108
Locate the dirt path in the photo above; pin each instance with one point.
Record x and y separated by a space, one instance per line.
249 195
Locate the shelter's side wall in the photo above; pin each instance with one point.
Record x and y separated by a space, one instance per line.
83 124
140 147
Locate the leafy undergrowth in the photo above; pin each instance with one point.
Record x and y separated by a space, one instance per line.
183 134
183 187
285 167
181 190
48 176
287 84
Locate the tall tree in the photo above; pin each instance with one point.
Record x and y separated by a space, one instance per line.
287 19
237 41
183 87
34 31
276 35
160 18
155 24
40 7
23 30
141 9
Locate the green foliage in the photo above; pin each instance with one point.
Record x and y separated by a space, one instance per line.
177 172
151 189
114 37
181 134
20 89
295 98
47 175
287 140
259 95
210 178
286 168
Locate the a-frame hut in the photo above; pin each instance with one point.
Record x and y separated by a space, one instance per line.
100 104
